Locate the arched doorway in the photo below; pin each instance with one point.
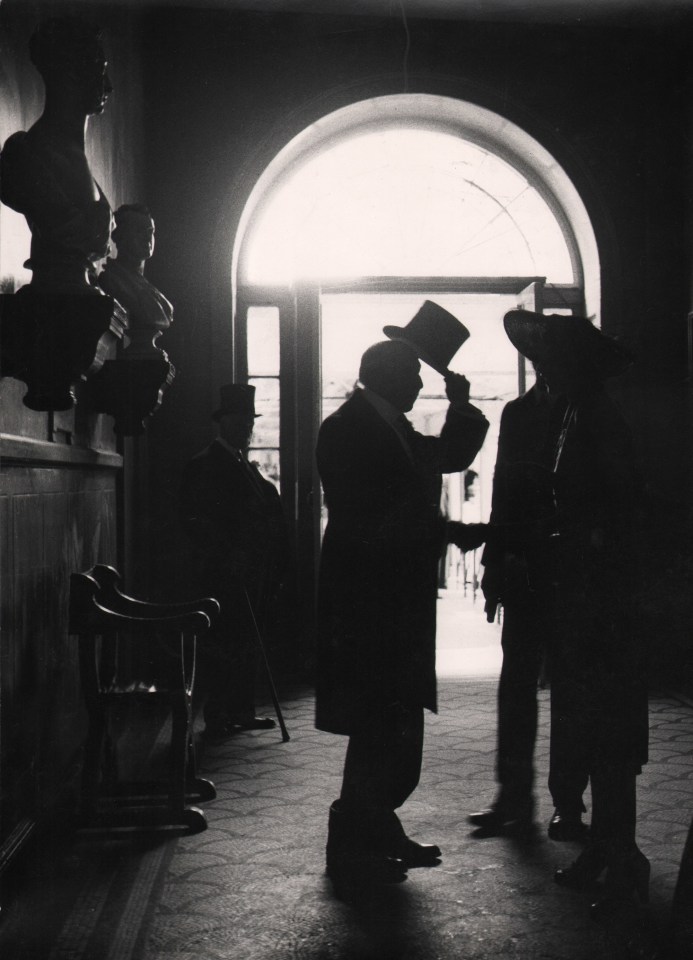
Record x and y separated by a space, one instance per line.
358 219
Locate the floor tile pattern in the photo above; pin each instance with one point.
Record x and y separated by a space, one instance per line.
252 886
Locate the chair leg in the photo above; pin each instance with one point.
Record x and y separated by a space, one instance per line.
91 769
192 755
180 730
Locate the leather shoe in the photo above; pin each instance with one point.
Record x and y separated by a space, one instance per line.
564 827
256 723
349 867
500 823
413 854
484 818
627 880
584 871
219 732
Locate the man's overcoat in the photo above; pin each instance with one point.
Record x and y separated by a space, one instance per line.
378 571
599 660
234 517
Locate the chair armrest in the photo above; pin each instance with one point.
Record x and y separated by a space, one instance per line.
113 598
89 616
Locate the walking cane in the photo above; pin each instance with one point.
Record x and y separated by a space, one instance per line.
268 672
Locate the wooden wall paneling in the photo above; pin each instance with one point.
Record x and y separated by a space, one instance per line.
22 717
6 648
17 419
57 521
97 522
60 734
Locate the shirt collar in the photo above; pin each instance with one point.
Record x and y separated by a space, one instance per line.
234 451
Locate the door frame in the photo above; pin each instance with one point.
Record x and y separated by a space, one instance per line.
300 385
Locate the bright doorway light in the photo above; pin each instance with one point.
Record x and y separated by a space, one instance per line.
405 202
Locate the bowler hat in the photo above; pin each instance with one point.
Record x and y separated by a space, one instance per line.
236 398
572 342
433 333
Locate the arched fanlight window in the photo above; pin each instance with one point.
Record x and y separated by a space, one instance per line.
406 202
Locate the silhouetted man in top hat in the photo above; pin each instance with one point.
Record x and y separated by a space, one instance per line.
377 600
234 517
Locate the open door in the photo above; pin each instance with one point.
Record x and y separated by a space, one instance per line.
301 349
529 299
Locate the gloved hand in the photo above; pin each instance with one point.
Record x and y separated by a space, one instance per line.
491 586
457 389
504 577
466 536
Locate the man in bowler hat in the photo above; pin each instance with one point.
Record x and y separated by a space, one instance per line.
378 587
234 518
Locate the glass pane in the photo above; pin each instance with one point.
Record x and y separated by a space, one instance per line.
263 341
406 202
268 463
15 243
352 322
266 432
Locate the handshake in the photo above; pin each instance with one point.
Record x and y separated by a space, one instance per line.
466 536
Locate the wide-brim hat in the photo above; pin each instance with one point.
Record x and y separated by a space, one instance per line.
236 398
572 342
434 333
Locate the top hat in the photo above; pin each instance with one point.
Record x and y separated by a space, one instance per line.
433 333
572 342
236 398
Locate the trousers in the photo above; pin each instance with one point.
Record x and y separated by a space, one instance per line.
526 638
229 658
382 769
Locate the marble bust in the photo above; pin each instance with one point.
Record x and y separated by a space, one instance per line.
149 312
44 172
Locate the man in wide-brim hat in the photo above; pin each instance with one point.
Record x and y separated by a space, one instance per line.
595 656
515 561
571 350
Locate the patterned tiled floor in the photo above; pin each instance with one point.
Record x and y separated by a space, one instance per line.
252 887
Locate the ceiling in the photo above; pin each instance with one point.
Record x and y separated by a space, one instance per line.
540 10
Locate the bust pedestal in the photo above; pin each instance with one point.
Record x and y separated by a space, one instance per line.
52 340
130 389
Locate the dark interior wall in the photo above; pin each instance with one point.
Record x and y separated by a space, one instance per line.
59 472
609 100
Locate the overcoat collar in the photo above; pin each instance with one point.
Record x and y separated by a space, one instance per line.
376 427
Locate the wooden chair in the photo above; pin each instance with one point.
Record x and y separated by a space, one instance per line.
134 652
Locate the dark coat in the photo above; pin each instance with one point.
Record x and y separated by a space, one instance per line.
586 580
523 507
378 570
592 583
599 659
234 518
